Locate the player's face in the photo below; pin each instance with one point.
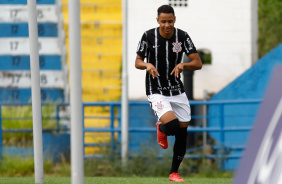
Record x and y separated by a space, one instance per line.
166 22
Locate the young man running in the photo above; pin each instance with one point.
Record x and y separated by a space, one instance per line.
163 48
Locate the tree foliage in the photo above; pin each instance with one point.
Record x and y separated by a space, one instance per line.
270 25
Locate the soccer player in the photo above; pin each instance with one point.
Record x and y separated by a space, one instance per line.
163 49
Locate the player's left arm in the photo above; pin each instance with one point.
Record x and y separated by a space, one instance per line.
194 64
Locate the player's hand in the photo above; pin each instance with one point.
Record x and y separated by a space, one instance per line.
152 70
177 70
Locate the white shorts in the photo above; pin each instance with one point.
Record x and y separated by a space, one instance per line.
179 104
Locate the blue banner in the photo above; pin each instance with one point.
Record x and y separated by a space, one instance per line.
262 159
21 30
46 62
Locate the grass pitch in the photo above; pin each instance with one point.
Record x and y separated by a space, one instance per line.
114 180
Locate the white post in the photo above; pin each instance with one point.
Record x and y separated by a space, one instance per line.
254 30
35 92
124 97
77 160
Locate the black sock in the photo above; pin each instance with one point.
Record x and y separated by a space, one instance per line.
179 149
170 128
162 128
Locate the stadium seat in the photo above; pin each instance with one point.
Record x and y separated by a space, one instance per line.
98 65
97 12
99 29
101 39
65 2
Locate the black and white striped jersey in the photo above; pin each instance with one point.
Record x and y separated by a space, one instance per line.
164 54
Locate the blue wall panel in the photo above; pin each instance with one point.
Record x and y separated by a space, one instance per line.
21 30
141 117
20 95
55 147
46 62
250 85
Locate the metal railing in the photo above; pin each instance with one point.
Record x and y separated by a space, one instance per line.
115 116
221 128
57 118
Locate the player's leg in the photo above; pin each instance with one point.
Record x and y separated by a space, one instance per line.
168 123
181 109
179 150
167 126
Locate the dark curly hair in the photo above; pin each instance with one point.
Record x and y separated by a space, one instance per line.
165 9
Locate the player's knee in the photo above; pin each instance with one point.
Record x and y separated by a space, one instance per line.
171 128
184 124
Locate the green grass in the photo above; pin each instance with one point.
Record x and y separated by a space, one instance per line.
20 117
115 180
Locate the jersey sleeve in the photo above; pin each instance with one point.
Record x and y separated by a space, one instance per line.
189 46
142 46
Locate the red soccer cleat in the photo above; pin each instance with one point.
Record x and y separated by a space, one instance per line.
175 177
162 138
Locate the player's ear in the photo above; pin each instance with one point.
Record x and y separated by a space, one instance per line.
174 19
158 20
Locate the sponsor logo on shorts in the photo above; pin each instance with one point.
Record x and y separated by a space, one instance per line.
160 106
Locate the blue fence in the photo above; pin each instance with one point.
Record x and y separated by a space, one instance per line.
142 124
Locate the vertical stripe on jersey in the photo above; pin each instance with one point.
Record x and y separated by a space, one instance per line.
149 78
156 48
176 39
156 57
167 66
187 50
146 49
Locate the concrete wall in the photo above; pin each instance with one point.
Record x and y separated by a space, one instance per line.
227 28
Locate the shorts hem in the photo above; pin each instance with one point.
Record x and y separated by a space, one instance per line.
184 120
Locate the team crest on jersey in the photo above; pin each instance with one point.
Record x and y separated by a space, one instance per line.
160 106
177 46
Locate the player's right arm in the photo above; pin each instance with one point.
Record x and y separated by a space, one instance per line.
140 64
